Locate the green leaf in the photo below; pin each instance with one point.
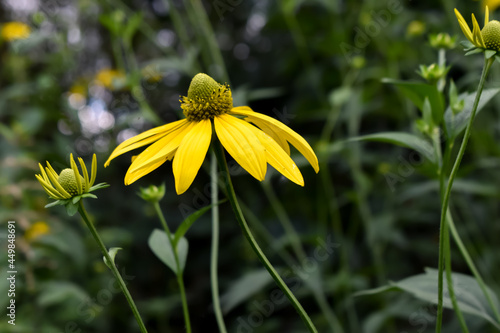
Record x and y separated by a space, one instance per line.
473 51
71 208
417 92
188 222
57 292
131 27
89 195
162 247
402 139
489 53
112 253
469 296
75 200
427 113
243 288
52 204
455 124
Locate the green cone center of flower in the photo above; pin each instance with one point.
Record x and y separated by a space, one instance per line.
206 98
68 181
491 35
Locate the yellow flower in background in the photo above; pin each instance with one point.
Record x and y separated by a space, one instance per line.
488 38
15 30
36 230
251 138
151 74
111 78
415 28
492 4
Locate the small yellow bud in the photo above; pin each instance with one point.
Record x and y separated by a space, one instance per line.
68 181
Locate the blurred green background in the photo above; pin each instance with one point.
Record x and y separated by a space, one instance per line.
94 73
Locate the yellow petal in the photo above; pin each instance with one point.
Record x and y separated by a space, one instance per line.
44 175
242 144
284 131
56 184
144 138
163 147
486 15
94 171
191 153
131 177
463 25
51 191
476 33
270 131
79 189
278 158
85 174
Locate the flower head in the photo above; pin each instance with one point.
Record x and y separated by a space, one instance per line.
15 30
487 39
251 138
68 187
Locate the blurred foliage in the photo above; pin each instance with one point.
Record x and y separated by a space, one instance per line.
93 73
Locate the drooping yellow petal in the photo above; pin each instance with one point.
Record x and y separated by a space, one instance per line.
282 130
463 25
476 33
131 177
486 15
191 153
242 144
163 147
270 131
144 138
278 158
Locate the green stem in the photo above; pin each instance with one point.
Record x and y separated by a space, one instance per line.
248 234
447 254
112 266
209 36
298 249
179 271
446 196
215 245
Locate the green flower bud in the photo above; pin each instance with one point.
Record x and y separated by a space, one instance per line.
491 35
152 193
68 181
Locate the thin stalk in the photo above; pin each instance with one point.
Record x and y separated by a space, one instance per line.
215 245
470 263
446 196
209 37
301 255
248 234
112 266
179 271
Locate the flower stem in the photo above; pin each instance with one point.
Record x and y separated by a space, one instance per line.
178 271
215 246
116 273
447 192
248 234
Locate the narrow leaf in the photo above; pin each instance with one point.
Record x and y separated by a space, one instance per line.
112 253
402 139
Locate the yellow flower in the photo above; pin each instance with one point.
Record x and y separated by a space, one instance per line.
15 30
415 28
493 4
111 78
251 138
69 183
488 38
36 230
